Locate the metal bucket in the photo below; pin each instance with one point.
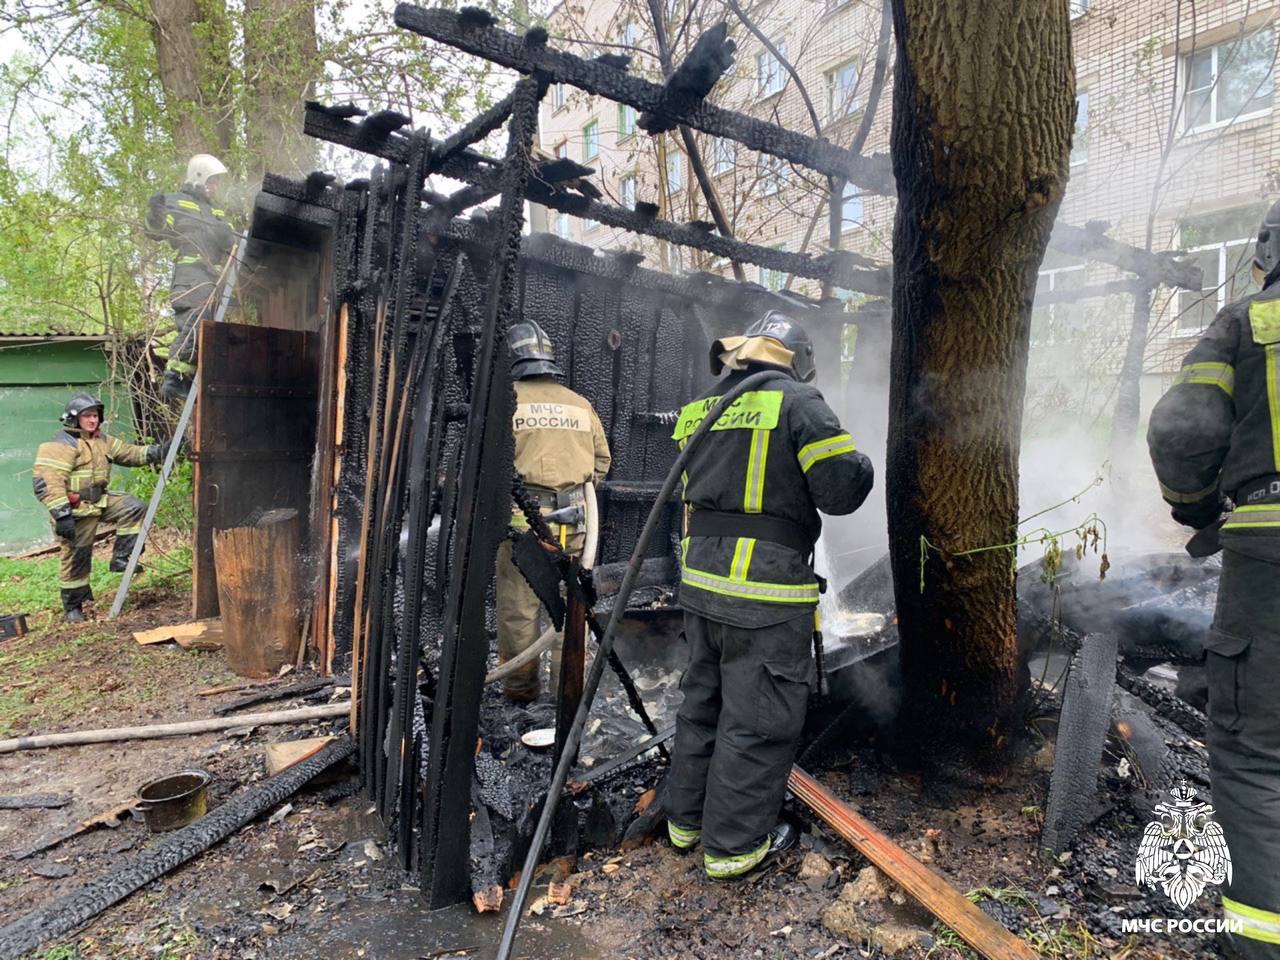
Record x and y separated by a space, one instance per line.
174 801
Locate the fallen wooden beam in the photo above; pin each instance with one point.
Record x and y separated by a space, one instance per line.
114 734
33 801
275 693
196 635
933 893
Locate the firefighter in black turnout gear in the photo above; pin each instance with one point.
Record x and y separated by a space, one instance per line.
70 477
191 222
1215 445
752 491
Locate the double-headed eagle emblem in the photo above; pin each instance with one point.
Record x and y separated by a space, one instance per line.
1184 850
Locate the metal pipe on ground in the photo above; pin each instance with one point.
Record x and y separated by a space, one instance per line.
574 736
66 913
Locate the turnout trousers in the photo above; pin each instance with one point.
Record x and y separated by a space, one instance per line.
519 613
746 692
76 557
1243 663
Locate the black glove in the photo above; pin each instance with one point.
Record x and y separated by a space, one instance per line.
64 525
1199 515
157 452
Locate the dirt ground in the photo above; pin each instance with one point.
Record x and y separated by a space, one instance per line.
315 879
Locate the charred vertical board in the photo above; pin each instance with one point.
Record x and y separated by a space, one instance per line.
572 658
1082 733
483 515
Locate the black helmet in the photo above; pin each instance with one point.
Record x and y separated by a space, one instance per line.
1266 254
78 405
785 330
531 351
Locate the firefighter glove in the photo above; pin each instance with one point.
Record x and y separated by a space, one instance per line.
157 451
64 525
1199 515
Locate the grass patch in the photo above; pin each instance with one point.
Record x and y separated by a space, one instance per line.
31 586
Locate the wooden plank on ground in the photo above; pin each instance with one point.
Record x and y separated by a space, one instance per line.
196 635
281 756
933 892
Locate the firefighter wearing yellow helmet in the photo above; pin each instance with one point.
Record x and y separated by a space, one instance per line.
193 224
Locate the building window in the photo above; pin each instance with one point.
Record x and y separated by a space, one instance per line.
559 96
562 149
842 85
1061 321
628 188
630 34
1080 137
1078 8
772 172
562 226
770 77
772 279
675 171
1222 244
723 154
626 121
1232 81
851 207
591 140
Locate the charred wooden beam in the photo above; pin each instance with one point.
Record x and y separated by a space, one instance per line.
477 129
842 268
1125 285
676 106
1091 241
483 513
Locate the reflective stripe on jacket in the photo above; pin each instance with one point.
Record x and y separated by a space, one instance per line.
200 239
1218 427
71 463
778 451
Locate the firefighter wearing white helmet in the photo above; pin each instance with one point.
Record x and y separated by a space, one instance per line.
193 224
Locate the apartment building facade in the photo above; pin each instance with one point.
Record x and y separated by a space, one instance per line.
1177 146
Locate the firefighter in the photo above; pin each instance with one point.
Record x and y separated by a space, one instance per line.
752 491
1214 439
559 446
192 223
70 478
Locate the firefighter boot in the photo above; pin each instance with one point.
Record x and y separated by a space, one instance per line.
73 600
782 837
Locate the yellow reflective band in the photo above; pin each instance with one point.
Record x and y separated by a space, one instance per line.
527 341
178 365
1257 924
681 837
722 868
1264 320
116 444
218 213
755 410
1209 374
1273 401
57 502
1259 515
188 204
190 259
62 465
1173 496
128 531
753 496
820 450
750 589
72 584
741 564
168 219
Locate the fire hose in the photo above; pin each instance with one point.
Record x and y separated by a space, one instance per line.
574 738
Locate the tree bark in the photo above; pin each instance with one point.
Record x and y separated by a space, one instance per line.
281 67
983 106
194 62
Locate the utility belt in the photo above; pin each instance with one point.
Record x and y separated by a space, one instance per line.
92 495
556 499
1265 489
757 526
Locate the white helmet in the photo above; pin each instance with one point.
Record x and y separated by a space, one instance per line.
201 167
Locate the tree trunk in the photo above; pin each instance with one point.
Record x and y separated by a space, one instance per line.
983 110
194 62
281 67
1124 422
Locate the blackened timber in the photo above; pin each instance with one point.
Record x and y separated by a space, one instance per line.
572 657
839 268
1126 285
510 50
482 517
480 127
1093 243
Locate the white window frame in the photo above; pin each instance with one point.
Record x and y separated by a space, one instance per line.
627 184
591 143
1215 122
1222 293
561 227
562 149
1078 8
559 97
851 192
773 174
630 33
675 184
724 155
839 110
1053 274
766 276
770 80
1080 135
